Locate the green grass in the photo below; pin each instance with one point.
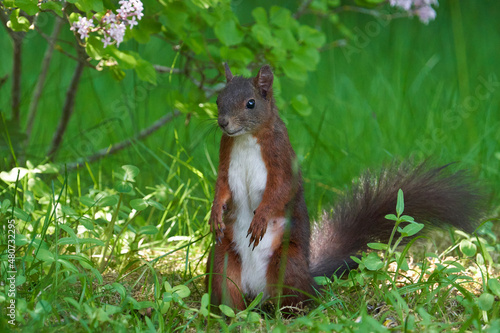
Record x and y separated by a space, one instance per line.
403 94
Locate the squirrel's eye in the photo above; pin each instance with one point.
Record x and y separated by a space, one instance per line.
251 104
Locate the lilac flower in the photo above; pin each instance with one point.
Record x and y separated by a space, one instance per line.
426 14
109 18
112 26
403 4
106 40
422 8
117 31
132 22
83 25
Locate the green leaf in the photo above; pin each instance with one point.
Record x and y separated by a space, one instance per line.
373 262
494 286
148 230
87 201
281 17
260 15
228 32
227 311
391 217
12 175
378 246
125 59
301 105
30 7
311 36
120 289
155 204
68 265
45 255
308 56
55 6
123 186
18 23
286 39
322 280
21 214
42 307
176 16
5 206
255 302
116 73
87 223
68 230
485 301
467 247
90 5
94 48
181 290
21 240
407 218
138 204
131 171
29 204
411 229
239 54
400 205
263 34
295 70
205 300
145 71
105 201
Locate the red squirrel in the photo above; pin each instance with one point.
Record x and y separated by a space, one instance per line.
259 216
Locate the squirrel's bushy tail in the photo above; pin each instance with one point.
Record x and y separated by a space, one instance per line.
431 196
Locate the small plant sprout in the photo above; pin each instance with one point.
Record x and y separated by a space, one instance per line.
111 26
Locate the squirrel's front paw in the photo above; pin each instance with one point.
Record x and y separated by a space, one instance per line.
257 229
216 224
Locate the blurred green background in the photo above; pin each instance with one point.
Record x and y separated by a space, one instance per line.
397 89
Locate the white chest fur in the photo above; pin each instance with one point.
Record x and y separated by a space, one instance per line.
247 181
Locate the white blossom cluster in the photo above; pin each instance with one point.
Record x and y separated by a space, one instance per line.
422 8
112 26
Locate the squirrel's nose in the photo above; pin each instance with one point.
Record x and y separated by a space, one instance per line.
223 122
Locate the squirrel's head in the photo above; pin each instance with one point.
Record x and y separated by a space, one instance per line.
245 104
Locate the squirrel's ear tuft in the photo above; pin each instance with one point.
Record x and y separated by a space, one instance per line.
229 75
264 81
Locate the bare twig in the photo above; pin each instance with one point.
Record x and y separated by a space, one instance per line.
17 39
302 9
164 69
371 12
125 143
43 75
3 80
67 109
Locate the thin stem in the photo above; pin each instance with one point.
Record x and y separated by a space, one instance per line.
16 77
109 233
390 250
67 110
302 9
17 38
43 75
